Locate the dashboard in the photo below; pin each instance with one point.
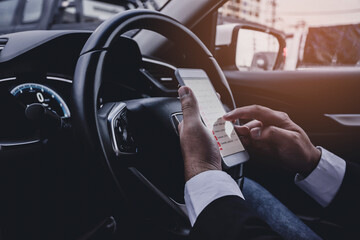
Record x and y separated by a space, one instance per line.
39 70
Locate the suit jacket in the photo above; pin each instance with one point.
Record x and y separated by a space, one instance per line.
345 207
229 218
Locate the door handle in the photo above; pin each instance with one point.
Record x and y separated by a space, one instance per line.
350 120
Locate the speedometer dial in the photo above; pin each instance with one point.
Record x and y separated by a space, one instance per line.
29 93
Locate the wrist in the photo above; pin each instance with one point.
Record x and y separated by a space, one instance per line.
312 162
191 170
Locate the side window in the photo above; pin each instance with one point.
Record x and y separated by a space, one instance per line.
323 34
33 10
244 38
336 46
7 10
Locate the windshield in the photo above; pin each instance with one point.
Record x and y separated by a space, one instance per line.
7 11
20 15
104 9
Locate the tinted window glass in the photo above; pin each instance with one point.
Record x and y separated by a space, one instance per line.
32 11
66 14
7 10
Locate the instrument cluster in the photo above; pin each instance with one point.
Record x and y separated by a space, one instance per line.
50 91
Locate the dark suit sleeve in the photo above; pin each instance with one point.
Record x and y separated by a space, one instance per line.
345 208
228 218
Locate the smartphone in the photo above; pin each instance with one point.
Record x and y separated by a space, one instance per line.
212 110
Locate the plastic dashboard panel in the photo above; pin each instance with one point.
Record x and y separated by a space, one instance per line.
21 42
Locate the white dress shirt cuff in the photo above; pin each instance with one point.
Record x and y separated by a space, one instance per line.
325 180
205 188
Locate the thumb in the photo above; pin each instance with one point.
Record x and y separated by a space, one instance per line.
189 105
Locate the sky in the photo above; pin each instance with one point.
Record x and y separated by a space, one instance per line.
319 12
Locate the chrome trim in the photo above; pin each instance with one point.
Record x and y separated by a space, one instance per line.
114 113
165 79
8 79
59 79
174 116
1 48
158 63
18 144
349 120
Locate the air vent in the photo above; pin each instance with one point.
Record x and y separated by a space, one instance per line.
3 42
164 78
162 73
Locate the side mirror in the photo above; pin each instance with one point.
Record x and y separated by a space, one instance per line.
249 47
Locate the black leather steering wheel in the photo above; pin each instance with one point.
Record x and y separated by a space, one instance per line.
136 138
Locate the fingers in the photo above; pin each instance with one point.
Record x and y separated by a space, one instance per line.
244 134
271 135
260 113
242 130
189 105
245 129
253 124
253 133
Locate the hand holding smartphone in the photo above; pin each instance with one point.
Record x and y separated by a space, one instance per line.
231 149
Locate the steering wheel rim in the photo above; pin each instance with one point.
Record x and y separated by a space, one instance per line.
88 74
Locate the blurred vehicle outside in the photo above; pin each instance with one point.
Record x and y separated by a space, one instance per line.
325 47
23 15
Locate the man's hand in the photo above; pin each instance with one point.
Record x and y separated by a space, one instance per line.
199 148
273 133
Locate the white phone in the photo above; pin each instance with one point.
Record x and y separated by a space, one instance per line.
231 149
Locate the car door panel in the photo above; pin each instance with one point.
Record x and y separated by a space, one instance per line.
308 97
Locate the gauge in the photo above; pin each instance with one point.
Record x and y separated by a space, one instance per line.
29 93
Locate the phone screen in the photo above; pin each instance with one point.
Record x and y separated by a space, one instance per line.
212 110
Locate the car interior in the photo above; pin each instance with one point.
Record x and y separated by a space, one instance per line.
106 162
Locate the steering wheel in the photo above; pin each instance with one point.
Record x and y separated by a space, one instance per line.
137 139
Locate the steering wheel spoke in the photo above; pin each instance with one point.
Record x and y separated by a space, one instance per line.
119 145
121 137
